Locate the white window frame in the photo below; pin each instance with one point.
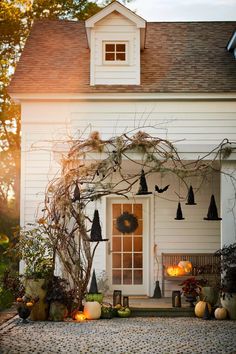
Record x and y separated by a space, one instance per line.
115 62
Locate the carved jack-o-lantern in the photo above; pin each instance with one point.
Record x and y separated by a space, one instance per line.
79 316
175 271
186 266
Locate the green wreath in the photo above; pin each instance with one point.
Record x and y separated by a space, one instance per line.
127 223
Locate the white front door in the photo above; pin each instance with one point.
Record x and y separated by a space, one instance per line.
127 253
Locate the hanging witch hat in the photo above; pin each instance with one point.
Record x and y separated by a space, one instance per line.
143 188
93 285
76 194
96 231
191 200
212 210
179 214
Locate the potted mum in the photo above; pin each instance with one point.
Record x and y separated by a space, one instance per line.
36 251
191 288
59 298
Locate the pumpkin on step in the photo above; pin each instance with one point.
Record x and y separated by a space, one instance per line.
200 308
186 266
221 313
175 271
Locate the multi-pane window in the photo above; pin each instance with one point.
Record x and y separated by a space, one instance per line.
115 52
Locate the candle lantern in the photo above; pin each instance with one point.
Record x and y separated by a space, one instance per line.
176 298
125 301
117 294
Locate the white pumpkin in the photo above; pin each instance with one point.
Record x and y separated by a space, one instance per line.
186 266
220 313
92 310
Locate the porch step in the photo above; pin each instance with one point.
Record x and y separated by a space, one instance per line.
162 312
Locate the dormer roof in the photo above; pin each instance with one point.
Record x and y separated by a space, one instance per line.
122 10
195 60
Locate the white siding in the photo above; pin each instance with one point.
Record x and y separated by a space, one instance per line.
182 122
115 27
188 123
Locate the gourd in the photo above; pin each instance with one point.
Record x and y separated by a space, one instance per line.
200 308
220 313
92 310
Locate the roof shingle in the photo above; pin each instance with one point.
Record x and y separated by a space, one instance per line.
178 57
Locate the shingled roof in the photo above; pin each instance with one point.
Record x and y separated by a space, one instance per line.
178 57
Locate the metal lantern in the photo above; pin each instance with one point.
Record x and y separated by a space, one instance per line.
176 298
117 294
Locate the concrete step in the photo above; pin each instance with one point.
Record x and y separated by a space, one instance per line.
162 312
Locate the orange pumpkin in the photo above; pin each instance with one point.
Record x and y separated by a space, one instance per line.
79 316
200 308
175 271
186 266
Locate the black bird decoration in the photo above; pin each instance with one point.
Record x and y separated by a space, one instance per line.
161 190
76 194
206 315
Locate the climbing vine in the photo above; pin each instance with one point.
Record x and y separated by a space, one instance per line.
94 168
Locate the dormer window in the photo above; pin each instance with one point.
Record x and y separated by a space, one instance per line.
115 53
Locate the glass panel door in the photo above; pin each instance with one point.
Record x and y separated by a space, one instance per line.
127 251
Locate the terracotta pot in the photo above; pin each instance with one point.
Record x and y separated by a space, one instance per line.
37 288
57 311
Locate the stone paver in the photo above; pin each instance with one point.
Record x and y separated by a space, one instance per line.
120 336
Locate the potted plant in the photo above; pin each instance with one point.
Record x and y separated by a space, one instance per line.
191 288
36 252
228 280
59 298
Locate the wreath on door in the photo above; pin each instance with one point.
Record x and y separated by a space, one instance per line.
127 223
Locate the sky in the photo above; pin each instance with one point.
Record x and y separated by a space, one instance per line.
185 10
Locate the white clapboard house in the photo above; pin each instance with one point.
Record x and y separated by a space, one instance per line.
116 72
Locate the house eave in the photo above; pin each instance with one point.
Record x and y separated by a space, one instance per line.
21 97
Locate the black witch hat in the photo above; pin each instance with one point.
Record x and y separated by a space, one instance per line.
206 315
191 200
76 194
93 286
96 231
212 210
179 214
143 188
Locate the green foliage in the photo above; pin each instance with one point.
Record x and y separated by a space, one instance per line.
35 248
6 298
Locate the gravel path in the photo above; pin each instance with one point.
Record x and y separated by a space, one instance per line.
120 336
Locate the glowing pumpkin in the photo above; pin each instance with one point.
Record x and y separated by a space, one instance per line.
220 313
79 316
200 308
92 310
175 271
186 266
